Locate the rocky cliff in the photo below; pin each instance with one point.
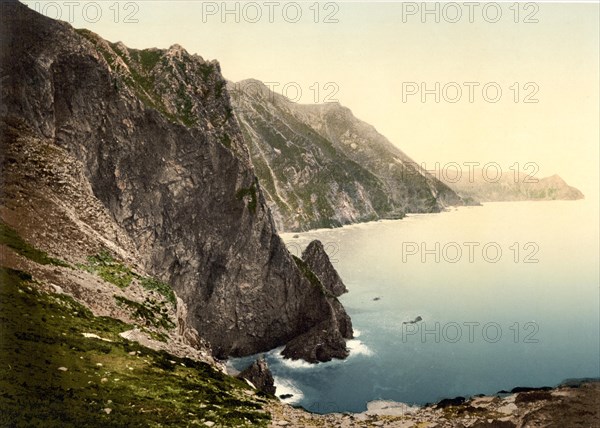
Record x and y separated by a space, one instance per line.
321 167
155 175
325 340
488 187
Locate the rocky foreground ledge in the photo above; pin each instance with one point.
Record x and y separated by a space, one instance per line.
566 406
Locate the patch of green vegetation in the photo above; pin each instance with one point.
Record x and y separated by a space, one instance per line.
310 275
206 70
110 270
10 238
92 37
139 78
228 114
149 58
161 287
185 111
150 312
158 336
226 140
251 193
219 88
106 267
52 376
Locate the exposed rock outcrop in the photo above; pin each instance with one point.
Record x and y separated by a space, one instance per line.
259 374
162 156
322 167
326 340
322 343
317 260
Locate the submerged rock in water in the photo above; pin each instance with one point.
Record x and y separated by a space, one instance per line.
259 374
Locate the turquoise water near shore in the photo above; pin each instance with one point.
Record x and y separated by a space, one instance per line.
508 294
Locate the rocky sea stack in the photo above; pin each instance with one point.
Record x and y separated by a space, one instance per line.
326 340
149 139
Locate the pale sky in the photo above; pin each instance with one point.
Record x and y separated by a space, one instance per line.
376 51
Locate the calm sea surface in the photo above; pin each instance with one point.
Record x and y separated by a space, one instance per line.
508 294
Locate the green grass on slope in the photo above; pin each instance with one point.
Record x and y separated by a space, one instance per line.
53 376
115 272
11 239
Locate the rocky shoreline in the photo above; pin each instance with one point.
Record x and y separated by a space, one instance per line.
571 404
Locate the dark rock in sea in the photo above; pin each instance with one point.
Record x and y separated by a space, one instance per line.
286 396
161 149
317 260
375 299
447 402
322 343
260 375
326 340
416 320
296 236
529 389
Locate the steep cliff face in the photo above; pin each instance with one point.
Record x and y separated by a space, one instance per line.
511 186
161 151
321 167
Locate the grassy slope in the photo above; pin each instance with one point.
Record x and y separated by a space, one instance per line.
41 333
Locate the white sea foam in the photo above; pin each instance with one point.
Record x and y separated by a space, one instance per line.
286 386
389 408
291 364
357 347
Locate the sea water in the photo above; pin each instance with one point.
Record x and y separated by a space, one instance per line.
507 293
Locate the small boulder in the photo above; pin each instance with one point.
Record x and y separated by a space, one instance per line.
447 402
259 374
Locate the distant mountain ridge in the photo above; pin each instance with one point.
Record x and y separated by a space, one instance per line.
320 166
512 187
